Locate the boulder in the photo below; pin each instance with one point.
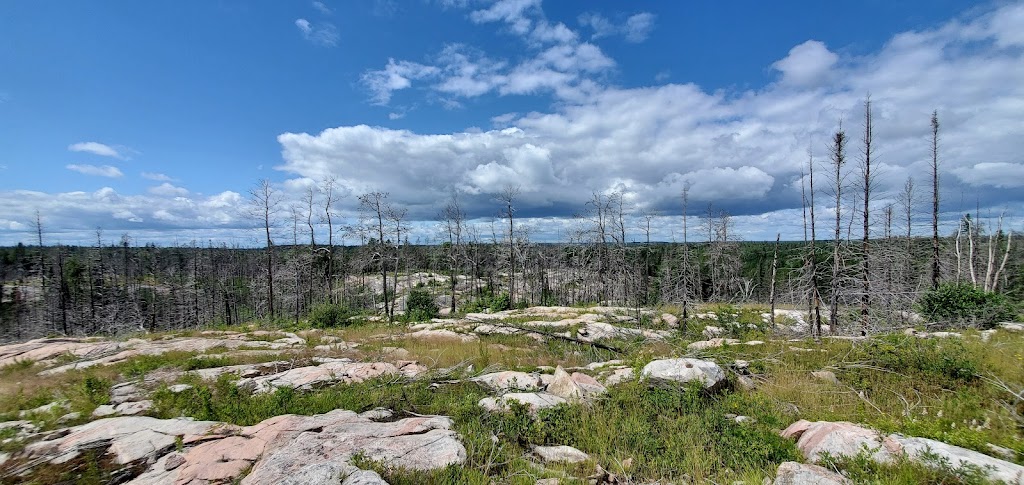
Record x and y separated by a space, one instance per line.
708 373
311 377
826 376
443 335
957 457
712 331
1011 326
839 438
712 343
534 400
670 320
619 376
793 473
562 454
510 380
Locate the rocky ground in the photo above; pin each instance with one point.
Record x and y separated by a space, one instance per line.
540 395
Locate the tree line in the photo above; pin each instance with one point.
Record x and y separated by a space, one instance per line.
867 278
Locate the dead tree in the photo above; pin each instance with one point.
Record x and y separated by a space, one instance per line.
264 201
838 152
935 199
374 204
507 198
865 299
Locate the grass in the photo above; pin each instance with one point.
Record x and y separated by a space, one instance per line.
944 389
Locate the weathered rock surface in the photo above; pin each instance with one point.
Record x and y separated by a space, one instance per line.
712 343
510 380
93 352
576 386
708 373
793 473
284 449
312 377
534 400
442 335
958 457
562 454
841 438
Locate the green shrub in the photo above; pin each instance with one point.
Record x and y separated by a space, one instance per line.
329 315
946 362
966 304
96 390
420 306
489 301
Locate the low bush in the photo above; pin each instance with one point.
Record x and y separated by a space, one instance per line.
420 306
329 315
945 362
965 304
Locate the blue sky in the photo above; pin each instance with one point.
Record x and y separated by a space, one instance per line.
155 119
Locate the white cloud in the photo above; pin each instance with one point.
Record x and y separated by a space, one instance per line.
512 12
636 28
322 8
394 77
96 149
807 64
323 34
740 150
101 171
1002 175
167 190
159 177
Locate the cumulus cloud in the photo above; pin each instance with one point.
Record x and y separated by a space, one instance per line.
323 34
101 171
807 64
741 151
96 148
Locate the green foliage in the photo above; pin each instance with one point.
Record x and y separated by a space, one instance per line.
945 362
489 301
329 315
965 304
420 306
96 390
931 468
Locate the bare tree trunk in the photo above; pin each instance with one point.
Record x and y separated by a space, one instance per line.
838 158
865 299
935 199
265 200
812 254
775 266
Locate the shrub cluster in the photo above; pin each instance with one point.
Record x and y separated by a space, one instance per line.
420 306
965 304
329 315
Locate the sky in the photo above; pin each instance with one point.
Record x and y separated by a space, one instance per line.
156 119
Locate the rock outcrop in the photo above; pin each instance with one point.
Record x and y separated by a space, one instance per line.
282 449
